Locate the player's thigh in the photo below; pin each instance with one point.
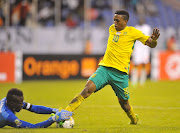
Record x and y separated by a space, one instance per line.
100 78
120 84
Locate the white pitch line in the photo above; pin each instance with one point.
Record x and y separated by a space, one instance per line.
137 107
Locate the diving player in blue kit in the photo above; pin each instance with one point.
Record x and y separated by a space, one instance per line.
13 103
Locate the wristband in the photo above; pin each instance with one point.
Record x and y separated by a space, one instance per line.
27 106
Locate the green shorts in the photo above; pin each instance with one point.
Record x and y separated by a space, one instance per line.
118 80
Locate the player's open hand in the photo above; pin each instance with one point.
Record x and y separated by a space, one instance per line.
62 115
155 35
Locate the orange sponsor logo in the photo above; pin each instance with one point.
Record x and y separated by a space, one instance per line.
64 69
88 66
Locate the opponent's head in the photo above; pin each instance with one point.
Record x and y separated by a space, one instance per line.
15 99
121 18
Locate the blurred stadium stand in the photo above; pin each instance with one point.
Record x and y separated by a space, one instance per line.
87 15
79 27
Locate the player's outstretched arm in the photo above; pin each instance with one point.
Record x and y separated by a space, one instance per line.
39 109
59 116
152 41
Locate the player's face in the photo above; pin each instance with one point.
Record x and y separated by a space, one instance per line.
17 103
119 22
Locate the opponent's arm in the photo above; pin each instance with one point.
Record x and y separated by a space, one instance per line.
13 121
152 41
39 109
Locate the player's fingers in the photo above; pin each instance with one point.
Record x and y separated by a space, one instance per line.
158 34
154 31
67 117
70 113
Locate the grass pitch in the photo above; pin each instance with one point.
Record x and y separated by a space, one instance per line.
156 103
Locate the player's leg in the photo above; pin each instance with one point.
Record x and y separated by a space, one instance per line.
87 91
120 85
97 81
129 110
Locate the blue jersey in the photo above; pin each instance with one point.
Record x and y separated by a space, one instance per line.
8 118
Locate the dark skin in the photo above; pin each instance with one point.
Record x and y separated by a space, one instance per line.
16 104
120 24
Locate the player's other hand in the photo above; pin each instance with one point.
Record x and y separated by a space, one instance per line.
155 35
62 115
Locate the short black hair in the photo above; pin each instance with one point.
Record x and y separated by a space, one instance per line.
124 13
13 91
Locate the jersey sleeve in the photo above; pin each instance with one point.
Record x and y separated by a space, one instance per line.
43 124
138 35
13 121
38 109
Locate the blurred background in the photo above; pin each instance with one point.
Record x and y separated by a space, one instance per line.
65 39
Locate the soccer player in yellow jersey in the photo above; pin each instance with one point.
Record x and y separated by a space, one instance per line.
114 66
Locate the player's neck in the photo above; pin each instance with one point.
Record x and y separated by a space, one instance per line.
122 28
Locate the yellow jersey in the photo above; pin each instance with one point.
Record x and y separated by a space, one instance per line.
120 47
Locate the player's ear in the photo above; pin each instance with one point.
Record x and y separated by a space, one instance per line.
125 21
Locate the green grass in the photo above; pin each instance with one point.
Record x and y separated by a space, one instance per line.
156 103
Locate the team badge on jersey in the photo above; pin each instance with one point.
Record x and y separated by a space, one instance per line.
18 122
125 33
118 33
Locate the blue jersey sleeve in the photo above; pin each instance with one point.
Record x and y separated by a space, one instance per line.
39 109
13 121
43 124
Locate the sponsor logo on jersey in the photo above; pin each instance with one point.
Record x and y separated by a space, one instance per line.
18 122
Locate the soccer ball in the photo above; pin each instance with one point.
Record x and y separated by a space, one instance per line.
66 123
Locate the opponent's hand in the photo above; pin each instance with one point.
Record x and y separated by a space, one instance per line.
155 35
62 115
